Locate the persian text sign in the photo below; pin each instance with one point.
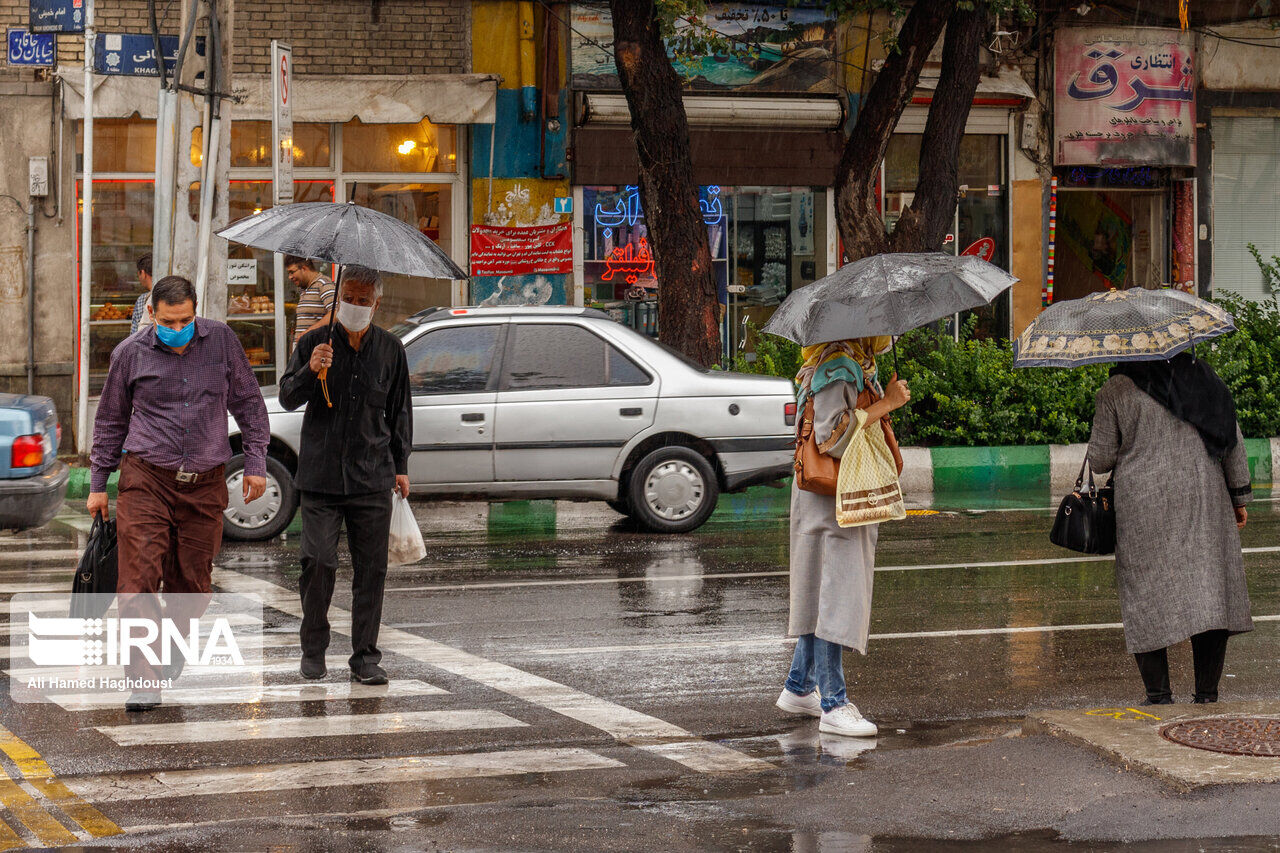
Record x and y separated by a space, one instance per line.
56 16
520 251
31 48
1124 96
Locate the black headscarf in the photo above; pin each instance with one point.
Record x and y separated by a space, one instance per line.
1191 391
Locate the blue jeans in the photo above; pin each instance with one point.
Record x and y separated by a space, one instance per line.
818 663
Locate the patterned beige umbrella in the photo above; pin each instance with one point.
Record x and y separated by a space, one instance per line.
1119 325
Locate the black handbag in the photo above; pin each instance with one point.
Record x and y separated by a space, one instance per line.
94 585
1086 519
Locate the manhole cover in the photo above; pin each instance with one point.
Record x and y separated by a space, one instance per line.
1232 735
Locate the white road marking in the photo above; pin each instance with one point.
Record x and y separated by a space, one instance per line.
318 691
164 784
336 664
627 726
345 725
996 564
771 641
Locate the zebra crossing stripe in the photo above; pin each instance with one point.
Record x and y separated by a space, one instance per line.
216 781
317 691
223 731
627 726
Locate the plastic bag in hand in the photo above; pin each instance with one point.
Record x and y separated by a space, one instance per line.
405 545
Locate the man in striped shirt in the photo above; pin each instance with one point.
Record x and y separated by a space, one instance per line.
316 298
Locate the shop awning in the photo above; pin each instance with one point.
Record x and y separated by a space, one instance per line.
442 98
722 111
1008 84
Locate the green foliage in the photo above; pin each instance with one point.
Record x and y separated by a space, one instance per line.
775 356
968 393
1248 360
1270 270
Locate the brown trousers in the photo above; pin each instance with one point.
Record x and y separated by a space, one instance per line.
168 533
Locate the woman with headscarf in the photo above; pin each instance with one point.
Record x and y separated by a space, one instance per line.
1168 431
831 566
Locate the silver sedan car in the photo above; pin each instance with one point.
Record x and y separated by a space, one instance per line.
559 403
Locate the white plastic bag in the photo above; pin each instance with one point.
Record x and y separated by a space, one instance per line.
405 544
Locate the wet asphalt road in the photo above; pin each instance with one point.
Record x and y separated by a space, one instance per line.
575 685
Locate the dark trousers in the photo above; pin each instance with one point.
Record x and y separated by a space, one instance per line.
1208 651
368 522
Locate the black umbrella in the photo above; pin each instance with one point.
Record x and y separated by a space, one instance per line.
344 234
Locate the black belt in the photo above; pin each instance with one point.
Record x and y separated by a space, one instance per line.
187 478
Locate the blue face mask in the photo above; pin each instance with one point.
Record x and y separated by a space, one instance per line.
176 338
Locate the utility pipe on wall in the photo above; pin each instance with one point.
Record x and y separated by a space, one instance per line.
528 63
31 297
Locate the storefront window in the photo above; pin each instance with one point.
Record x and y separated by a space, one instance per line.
981 226
121 234
765 242
421 147
119 145
251 145
427 207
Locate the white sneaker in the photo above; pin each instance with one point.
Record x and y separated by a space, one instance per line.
846 720
810 705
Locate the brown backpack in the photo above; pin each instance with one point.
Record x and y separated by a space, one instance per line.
817 471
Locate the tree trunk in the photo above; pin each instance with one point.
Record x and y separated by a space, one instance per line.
687 307
924 226
857 210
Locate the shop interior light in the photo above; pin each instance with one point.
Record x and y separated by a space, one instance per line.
407 146
256 211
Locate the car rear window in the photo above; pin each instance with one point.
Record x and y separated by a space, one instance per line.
561 355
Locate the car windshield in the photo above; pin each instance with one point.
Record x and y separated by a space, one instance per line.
402 330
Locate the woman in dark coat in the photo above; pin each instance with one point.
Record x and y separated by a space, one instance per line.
1168 430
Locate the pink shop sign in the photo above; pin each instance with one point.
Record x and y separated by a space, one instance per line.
1124 96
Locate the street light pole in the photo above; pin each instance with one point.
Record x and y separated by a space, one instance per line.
83 438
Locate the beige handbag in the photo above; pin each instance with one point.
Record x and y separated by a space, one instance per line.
867 491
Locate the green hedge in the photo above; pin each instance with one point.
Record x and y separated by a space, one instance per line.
968 393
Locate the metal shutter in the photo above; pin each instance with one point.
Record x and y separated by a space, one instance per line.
1246 201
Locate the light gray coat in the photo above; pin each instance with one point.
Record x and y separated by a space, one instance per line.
831 566
1179 569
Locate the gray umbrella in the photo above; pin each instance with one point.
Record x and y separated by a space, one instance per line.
886 295
344 234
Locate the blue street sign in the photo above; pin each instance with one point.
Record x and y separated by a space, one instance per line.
56 16
564 204
132 54
29 49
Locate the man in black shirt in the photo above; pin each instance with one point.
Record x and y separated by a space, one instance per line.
356 437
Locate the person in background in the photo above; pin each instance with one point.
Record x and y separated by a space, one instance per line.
357 433
315 299
1168 431
164 409
832 567
141 317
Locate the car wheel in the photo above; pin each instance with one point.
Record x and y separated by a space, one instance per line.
673 490
266 517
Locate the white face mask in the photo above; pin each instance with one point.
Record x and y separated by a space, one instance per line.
354 318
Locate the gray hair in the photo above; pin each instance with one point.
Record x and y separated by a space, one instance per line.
357 274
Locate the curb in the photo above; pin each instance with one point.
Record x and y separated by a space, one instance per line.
1018 471
1049 470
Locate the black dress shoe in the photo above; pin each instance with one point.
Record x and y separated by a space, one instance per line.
1166 701
314 668
142 701
369 674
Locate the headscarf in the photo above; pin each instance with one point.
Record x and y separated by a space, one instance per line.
1192 392
849 361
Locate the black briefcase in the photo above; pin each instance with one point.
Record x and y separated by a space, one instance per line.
1086 519
94 585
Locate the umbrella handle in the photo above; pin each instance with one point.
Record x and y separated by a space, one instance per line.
323 376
